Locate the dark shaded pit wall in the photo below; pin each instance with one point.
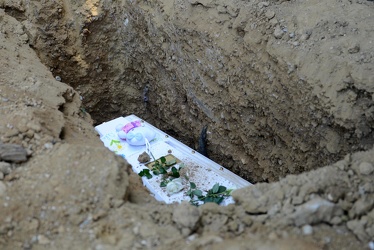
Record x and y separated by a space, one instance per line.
276 98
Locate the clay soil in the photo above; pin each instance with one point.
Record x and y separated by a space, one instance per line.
286 89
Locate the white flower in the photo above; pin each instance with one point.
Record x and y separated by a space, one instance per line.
174 186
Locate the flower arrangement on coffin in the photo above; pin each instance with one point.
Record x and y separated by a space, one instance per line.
135 133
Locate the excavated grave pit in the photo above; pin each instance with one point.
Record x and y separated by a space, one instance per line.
182 67
280 92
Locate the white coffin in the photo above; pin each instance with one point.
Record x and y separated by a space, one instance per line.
205 172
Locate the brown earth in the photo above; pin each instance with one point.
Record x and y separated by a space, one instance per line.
285 87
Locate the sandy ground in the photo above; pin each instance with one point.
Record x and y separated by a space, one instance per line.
284 87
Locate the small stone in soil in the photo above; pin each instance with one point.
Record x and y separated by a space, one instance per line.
366 168
43 240
12 153
307 229
144 157
278 33
5 168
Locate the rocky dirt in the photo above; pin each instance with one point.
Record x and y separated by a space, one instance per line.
284 87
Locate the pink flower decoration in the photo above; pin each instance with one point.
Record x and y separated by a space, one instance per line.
131 125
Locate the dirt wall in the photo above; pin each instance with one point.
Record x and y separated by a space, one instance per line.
282 86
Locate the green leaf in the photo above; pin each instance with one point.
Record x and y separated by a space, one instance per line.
162 170
174 172
198 193
149 176
190 194
218 200
228 192
221 189
192 185
207 199
164 183
215 188
156 172
145 172
163 159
